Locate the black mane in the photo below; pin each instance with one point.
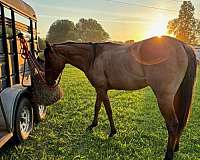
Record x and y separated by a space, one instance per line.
87 43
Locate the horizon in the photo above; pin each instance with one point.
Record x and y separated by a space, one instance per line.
122 20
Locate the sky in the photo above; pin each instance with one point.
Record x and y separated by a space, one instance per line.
122 19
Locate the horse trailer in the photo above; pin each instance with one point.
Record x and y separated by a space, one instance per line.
17 112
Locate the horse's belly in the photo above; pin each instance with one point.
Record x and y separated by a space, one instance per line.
126 75
127 83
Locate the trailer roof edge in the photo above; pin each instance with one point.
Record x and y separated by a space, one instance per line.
21 7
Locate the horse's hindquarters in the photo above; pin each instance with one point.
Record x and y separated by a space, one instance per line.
166 77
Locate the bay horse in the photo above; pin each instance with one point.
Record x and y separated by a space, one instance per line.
165 64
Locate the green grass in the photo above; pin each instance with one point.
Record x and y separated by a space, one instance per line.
141 130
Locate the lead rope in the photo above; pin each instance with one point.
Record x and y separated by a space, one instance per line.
30 59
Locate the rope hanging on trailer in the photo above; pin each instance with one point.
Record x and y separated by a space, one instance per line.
30 58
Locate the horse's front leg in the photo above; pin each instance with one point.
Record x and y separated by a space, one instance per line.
96 112
104 96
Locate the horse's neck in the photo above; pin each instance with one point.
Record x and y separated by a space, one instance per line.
80 62
79 58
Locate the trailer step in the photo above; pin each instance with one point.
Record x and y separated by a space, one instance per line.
4 137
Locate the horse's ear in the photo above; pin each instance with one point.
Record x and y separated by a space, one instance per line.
48 45
47 49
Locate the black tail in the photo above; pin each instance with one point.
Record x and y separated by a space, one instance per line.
183 98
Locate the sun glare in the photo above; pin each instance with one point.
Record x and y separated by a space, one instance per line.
159 27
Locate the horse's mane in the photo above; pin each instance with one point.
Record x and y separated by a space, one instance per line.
87 43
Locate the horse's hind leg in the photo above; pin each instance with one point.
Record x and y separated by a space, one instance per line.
96 112
165 102
180 112
179 133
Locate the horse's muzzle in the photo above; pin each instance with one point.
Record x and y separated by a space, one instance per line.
50 82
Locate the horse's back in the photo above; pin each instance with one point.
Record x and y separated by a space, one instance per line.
121 69
154 62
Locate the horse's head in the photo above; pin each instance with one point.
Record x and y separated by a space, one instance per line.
79 55
54 64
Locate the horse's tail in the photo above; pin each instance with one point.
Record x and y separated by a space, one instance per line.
183 97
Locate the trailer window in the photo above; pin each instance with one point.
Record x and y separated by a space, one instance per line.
23 25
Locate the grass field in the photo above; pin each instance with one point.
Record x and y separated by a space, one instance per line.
141 130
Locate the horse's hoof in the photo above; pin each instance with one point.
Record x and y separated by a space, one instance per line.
176 149
112 133
168 156
89 129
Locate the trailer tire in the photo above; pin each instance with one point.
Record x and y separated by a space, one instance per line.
23 120
39 112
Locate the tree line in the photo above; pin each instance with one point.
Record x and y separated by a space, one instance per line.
86 30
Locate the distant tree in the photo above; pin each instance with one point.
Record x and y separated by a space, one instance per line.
61 31
185 27
41 43
198 30
89 30
118 42
129 41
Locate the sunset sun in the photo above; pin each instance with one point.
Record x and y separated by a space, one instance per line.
159 27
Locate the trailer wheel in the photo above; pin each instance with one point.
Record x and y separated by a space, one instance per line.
40 112
23 120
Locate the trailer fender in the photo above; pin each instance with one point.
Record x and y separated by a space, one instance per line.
10 97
